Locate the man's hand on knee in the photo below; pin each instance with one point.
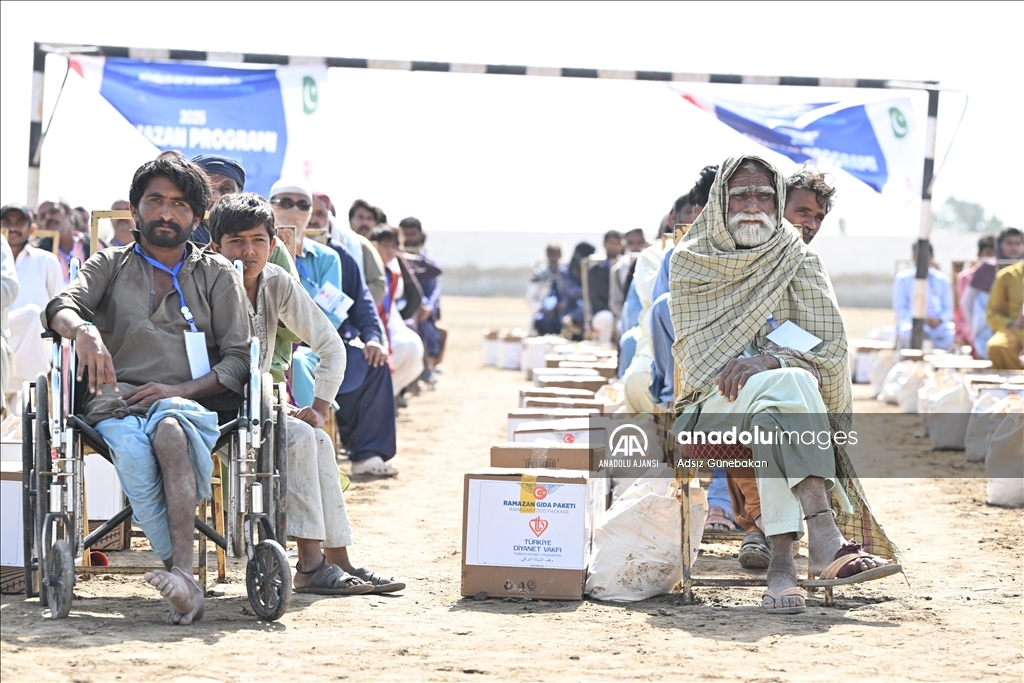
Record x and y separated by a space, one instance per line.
739 370
315 415
375 354
150 393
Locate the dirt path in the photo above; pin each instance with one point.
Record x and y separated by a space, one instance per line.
958 619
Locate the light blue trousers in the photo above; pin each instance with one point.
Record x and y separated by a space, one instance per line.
130 440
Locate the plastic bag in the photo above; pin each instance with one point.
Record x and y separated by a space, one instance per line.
949 411
929 385
658 479
983 421
901 385
883 362
613 396
1004 462
906 395
637 549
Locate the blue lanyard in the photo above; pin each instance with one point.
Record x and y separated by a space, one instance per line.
305 275
174 281
387 292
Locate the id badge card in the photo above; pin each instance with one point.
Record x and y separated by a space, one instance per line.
198 357
332 299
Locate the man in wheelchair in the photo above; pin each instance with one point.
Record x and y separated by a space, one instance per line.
163 342
242 228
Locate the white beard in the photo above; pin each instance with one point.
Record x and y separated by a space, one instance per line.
751 234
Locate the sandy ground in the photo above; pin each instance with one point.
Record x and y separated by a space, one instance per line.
956 617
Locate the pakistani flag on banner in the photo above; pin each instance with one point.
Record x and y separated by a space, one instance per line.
875 142
266 119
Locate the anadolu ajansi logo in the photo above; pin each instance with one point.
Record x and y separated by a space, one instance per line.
310 94
628 441
898 121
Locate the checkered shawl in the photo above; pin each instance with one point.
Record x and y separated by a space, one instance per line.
721 297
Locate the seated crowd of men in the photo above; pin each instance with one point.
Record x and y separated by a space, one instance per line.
351 324
988 318
691 318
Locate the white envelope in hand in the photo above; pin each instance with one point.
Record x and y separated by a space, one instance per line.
792 336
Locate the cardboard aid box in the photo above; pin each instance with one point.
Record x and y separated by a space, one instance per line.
568 430
528 532
568 403
584 383
491 347
520 415
510 350
535 350
609 371
559 456
553 360
543 373
564 394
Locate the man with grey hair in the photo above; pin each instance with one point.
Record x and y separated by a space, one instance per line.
809 198
742 267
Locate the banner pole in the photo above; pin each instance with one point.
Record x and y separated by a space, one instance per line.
920 296
35 124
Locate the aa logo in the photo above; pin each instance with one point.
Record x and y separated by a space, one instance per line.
898 121
538 526
310 94
628 441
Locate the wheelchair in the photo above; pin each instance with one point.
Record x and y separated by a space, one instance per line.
252 444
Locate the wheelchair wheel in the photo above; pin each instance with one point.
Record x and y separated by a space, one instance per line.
265 458
268 580
281 453
42 463
59 580
28 460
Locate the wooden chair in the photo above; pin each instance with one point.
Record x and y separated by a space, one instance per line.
684 478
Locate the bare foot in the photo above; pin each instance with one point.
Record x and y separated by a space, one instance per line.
184 594
782 575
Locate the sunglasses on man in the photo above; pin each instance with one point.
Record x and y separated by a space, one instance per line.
288 203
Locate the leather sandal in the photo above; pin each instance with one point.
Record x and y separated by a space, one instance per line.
844 570
330 579
379 583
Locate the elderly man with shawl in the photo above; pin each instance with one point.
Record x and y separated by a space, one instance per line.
740 265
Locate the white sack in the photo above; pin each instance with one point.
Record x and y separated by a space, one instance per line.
1004 462
949 411
983 421
637 548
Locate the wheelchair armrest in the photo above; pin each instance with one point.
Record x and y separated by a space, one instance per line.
226 430
91 437
51 335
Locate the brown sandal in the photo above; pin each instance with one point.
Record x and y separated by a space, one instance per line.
717 517
843 569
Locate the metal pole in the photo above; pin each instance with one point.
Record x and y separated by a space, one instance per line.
35 133
920 297
496 69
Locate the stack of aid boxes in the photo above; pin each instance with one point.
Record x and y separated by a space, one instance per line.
528 519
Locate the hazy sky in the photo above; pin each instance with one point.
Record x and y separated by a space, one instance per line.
479 152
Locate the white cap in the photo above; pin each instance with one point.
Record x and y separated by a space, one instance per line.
291 185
